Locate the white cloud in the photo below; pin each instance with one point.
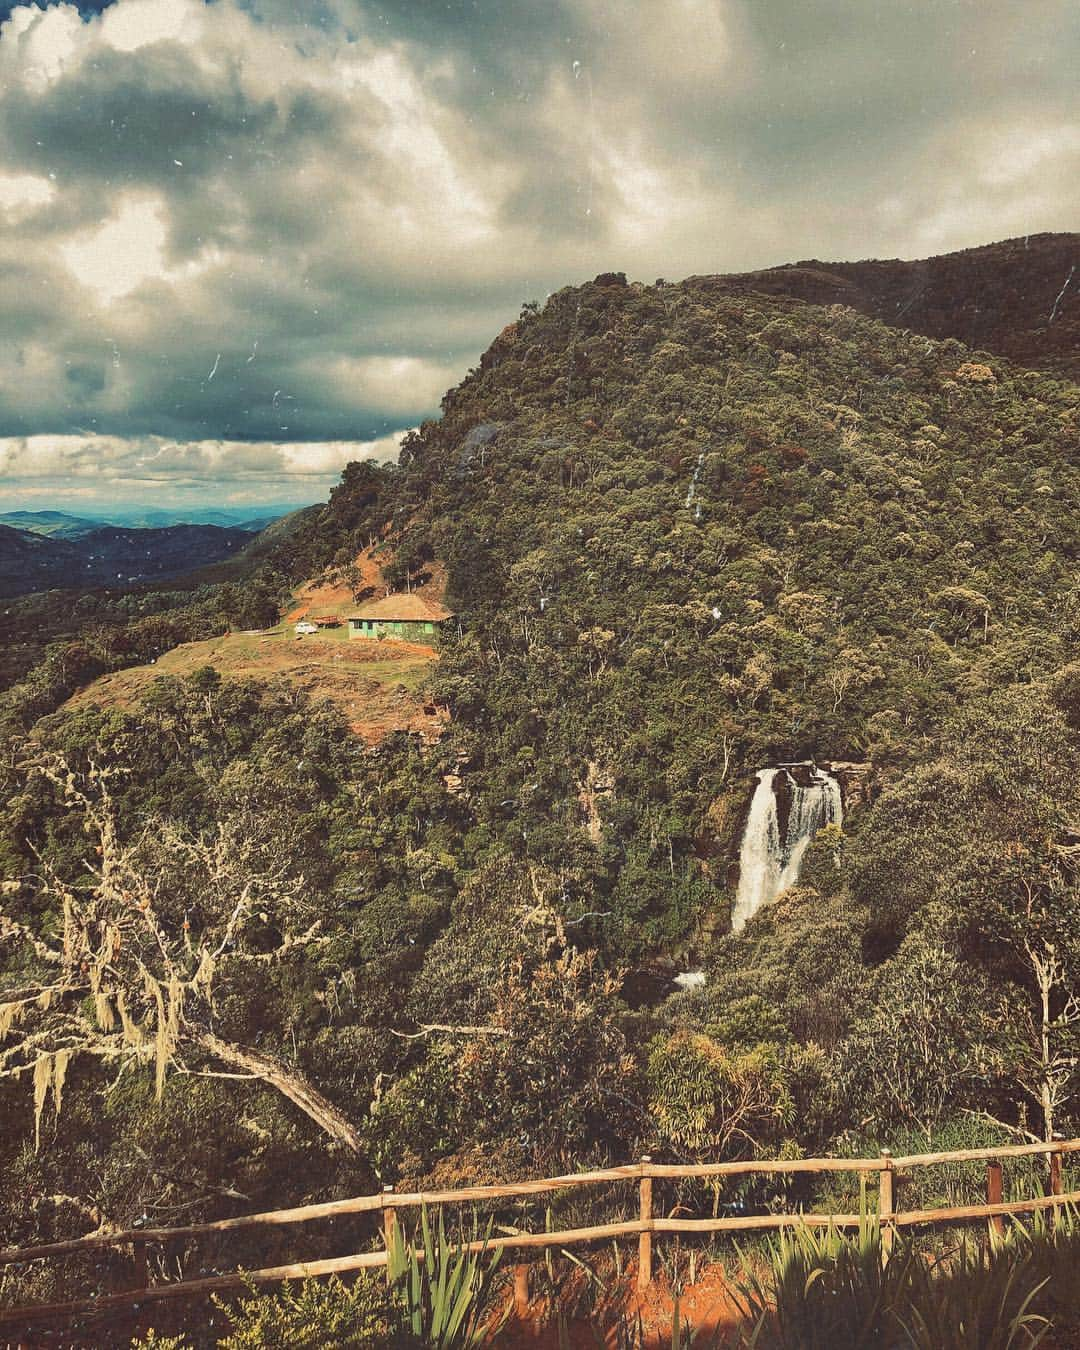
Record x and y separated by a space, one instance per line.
138 23
101 465
40 43
391 385
22 193
116 256
128 249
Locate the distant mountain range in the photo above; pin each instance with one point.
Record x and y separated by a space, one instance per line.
63 525
108 555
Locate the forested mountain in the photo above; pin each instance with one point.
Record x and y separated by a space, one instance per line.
58 524
690 531
1019 298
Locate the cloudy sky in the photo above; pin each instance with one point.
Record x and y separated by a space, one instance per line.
244 241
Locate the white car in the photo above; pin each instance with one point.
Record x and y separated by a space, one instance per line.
304 627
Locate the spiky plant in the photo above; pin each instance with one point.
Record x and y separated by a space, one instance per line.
824 1289
444 1286
982 1299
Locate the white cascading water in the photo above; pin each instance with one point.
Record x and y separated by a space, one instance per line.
767 863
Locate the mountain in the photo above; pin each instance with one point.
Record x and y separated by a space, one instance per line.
55 524
743 586
34 562
693 530
60 524
1019 298
250 518
271 545
110 556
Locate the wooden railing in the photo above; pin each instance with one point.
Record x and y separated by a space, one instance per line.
886 1167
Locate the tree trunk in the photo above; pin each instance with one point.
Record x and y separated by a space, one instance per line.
288 1082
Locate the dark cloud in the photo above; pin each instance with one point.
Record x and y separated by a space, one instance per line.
289 221
86 8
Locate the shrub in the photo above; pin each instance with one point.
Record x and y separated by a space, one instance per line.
317 1315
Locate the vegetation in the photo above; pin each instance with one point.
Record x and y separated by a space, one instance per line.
246 960
444 1292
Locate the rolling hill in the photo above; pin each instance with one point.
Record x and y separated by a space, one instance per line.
110 555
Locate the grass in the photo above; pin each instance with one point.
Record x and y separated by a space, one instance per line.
376 684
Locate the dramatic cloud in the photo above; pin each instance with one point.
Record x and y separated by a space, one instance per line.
66 471
282 222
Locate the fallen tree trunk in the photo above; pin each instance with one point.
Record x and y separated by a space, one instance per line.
287 1081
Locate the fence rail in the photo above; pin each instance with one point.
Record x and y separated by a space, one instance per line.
648 1223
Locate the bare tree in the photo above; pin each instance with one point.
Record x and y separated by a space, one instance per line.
143 945
1045 1039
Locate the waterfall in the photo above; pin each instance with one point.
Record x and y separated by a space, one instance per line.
769 864
693 484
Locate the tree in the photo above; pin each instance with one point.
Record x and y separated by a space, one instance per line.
1042 1021
713 1102
145 947
923 1047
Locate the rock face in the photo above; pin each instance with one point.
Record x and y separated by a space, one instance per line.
596 782
858 786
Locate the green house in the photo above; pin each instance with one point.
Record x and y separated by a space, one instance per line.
403 618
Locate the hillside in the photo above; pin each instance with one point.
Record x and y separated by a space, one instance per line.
375 685
698 540
1019 298
779 530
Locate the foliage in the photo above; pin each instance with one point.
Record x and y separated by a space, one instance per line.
711 1103
688 531
924 1043
826 1289
443 1287
316 1315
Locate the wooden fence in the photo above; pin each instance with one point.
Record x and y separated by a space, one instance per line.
648 1224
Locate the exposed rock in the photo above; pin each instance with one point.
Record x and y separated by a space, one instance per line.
858 785
595 782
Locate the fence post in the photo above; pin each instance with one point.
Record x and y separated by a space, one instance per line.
389 1224
886 1227
521 1292
644 1276
994 1192
1056 1187
138 1260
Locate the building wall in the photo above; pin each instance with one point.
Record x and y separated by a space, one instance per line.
404 630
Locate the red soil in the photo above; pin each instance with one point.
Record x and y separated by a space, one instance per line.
707 1306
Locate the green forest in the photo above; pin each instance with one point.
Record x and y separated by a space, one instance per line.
690 531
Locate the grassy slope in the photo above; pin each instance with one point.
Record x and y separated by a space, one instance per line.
375 684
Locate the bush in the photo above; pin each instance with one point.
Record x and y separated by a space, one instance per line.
317 1315
828 1290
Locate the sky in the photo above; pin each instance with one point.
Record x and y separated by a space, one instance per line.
245 241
